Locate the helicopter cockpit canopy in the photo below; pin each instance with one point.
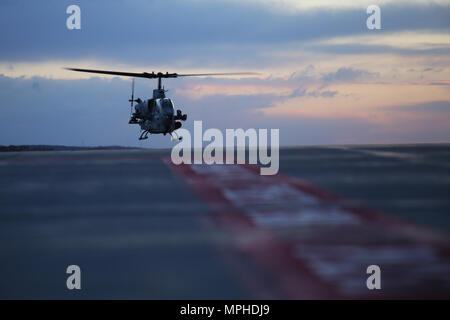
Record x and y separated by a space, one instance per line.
166 105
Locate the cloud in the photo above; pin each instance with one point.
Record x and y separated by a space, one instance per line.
304 5
41 111
306 74
375 49
427 107
303 92
348 75
328 94
191 33
95 112
440 84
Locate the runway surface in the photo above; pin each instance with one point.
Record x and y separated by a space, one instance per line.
140 227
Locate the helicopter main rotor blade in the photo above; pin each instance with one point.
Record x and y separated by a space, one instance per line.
128 74
154 75
217 74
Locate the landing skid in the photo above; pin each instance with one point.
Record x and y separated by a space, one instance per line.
144 135
177 137
174 136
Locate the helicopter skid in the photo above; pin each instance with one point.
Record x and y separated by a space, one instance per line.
175 137
144 135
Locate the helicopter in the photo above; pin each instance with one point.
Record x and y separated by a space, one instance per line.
157 114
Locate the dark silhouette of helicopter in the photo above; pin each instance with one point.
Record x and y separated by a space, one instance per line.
156 115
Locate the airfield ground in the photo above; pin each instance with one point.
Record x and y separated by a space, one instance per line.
140 227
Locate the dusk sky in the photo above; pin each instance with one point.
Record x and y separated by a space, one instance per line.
325 78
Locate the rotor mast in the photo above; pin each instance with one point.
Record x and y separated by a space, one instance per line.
161 75
160 93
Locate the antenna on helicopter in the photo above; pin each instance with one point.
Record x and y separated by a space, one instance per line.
132 97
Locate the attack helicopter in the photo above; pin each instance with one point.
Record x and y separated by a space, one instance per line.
157 114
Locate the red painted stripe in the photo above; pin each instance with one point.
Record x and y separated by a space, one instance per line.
315 244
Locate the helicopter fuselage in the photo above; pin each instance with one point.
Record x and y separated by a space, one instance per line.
157 115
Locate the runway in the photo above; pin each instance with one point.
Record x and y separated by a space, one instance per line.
140 227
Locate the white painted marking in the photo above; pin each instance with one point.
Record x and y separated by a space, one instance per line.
270 202
404 267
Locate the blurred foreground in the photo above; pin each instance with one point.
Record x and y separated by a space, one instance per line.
140 227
